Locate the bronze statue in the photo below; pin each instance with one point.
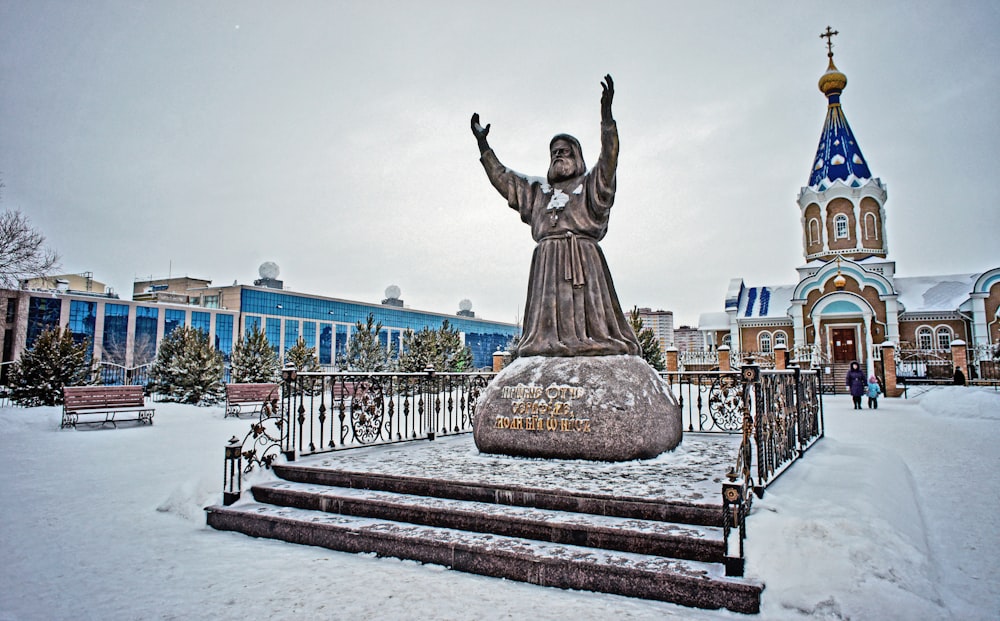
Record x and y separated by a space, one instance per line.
572 308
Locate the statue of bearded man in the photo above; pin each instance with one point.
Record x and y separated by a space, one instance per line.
572 308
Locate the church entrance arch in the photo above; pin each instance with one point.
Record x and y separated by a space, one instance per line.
844 320
844 342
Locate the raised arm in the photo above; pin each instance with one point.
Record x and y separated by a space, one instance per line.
480 133
607 163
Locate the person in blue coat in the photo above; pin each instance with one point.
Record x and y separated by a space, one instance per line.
874 390
856 383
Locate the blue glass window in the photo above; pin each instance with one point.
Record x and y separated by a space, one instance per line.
224 335
144 346
309 333
82 322
173 319
43 314
291 333
272 329
251 322
325 343
201 321
340 352
115 341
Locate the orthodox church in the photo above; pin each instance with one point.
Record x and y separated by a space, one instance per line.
848 300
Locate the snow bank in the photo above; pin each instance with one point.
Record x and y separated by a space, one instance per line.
961 402
850 545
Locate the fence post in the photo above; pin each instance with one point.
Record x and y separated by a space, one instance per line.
288 375
724 364
780 357
889 367
960 357
671 354
232 475
500 360
431 403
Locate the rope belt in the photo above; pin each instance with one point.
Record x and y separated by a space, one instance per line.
573 271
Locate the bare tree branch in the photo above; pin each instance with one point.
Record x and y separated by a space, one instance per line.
23 253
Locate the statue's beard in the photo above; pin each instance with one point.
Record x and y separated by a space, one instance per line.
561 169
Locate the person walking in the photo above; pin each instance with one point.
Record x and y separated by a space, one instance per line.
874 390
959 378
856 383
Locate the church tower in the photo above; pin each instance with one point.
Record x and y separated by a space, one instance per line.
843 206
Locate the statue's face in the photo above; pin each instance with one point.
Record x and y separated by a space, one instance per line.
563 164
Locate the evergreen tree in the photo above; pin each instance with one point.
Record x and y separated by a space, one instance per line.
365 352
648 343
53 361
253 360
187 368
301 357
441 348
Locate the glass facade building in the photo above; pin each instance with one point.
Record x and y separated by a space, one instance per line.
288 314
127 333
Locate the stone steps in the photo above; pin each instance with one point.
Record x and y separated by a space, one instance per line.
691 542
632 546
509 494
684 582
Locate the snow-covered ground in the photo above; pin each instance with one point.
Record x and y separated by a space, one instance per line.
894 515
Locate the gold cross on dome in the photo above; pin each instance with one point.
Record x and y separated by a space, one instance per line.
828 35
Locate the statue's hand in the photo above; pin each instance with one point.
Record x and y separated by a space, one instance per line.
478 130
607 95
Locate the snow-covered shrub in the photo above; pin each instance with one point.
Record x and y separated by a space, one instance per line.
254 360
53 361
187 368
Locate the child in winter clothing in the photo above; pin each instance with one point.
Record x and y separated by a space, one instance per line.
873 392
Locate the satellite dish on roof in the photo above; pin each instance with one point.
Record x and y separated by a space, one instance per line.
392 292
465 305
268 269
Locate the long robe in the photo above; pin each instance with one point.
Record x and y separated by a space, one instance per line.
572 308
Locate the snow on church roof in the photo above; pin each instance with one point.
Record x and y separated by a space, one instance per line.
765 302
927 294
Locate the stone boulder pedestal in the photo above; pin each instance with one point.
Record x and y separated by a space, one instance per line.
598 408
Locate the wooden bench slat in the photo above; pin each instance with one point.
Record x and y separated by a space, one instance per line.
237 394
108 400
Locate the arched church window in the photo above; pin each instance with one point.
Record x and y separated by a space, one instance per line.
813 231
925 338
780 339
944 338
871 226
764 339
727 340
840 226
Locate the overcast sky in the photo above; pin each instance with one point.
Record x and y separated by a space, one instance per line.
204 138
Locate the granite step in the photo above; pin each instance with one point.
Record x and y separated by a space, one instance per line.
509 494
684 582
684 541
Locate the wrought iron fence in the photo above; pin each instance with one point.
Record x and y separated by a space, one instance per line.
931 364
711 401
984 361
318 412
699 358
111 374
779 415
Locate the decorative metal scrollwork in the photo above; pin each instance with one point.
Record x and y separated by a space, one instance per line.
367 411
261 446
725 404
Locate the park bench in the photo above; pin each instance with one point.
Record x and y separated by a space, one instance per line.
238 395
103 405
